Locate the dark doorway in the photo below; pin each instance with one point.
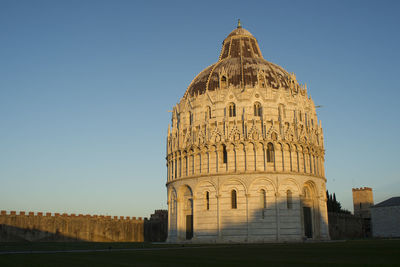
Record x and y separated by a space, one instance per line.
189 227
307 222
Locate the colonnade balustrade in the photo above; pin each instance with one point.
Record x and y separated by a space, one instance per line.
247 157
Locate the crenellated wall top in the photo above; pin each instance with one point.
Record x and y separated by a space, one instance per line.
72 215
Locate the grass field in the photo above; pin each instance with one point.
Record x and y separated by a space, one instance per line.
361 253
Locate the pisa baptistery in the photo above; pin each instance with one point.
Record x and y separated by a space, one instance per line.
245 154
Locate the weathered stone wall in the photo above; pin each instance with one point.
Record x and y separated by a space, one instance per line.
156 228
38 227
345 226
362 201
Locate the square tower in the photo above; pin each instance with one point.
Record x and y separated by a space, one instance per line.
362 201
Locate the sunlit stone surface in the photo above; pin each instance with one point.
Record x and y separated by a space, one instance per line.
245 154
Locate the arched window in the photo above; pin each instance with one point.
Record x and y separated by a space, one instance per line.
207 200
270 152
223 82
232 110
225 154
234 199
289 200
257 109
263 199
208 113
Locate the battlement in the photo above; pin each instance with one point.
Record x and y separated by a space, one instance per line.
362 189
38 226
72 215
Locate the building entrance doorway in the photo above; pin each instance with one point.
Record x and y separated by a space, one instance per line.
186 231
189 227
307 222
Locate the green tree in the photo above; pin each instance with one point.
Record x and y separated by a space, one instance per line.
333 205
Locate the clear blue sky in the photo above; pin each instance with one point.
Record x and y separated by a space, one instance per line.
85 87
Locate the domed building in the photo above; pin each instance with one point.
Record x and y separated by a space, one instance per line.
245 154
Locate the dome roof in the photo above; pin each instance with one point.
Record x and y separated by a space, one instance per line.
240 64
240 31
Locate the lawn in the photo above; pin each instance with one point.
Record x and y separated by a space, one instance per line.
356 252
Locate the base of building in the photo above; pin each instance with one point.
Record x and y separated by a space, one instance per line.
244 240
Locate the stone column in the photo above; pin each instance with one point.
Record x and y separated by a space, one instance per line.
204 161
277 200
240 158
221 164
278 157
198 163
218 197
168 171
194 213
259 157
184 165
169 218
288 160
250 164
231 165
247 215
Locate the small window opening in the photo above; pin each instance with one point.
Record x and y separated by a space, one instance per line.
208 113
289 200
257 109
190 118
225 154
232 110
263 202
270 152
207 200
263 199
223 82
234 199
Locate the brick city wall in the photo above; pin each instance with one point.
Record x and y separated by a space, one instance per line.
69 227
345 226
